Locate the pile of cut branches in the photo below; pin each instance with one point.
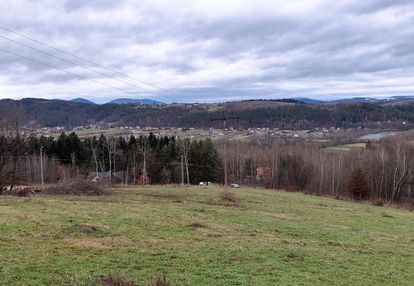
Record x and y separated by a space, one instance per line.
76 187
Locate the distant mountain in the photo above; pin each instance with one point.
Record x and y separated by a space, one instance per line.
355 99
372 100
50 113
143 101
309 100
82 100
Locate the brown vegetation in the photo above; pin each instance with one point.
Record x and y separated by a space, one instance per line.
379 203
160 281
229 197
196 225
358 187
19 191
111 280
76 187
386 169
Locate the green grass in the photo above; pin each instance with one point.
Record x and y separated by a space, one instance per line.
270 238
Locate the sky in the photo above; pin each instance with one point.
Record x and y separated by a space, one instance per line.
207 50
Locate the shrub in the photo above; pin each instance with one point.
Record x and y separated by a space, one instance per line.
293 188
76 187
358 187
379 202
229 197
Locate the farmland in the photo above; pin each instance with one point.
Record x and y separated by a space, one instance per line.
195 238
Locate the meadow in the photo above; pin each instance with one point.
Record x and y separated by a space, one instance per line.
194 237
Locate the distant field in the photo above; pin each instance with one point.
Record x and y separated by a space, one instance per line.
194 238
346 147
258 104
114 132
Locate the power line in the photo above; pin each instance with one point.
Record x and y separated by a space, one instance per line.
81 58
86 61
73 63
62 70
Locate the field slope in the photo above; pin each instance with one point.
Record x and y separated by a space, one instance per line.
194 238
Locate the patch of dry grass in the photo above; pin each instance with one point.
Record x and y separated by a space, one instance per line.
229 197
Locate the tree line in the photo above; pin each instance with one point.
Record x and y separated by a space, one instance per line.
291 115
135 160
383 171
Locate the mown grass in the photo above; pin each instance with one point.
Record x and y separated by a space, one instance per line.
195 238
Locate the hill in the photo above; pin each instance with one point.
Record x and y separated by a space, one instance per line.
372 100
287 114
82 100
195 238
134 101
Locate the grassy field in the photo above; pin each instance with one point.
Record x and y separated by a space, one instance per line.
195 238
346 147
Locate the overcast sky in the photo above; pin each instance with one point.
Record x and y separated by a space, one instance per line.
207 50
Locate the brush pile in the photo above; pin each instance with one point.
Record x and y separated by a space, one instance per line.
19 191
76 187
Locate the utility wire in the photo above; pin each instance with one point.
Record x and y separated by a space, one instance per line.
86 61
73 63
81 58
63 70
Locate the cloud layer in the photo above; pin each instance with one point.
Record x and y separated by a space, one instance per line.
208 50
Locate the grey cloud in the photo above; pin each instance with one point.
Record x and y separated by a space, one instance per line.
71 5
203 57
372 6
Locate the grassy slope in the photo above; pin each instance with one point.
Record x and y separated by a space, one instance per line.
272 238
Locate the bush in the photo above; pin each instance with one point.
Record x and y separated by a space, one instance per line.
358 187
379 202
229 197
76 187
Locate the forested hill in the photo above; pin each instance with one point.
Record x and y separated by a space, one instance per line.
282 114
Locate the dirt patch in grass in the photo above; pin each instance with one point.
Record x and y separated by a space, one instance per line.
111 280
88 243
196 225
292 257
85 229
100 242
